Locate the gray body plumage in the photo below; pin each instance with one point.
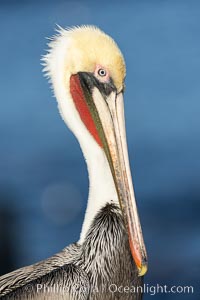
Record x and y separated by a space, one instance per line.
89 271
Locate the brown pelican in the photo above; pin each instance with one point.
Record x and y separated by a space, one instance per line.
87 72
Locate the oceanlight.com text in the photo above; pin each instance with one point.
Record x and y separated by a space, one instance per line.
115 289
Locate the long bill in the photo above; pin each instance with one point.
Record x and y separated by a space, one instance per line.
107 111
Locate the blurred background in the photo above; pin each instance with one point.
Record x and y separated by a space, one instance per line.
43 176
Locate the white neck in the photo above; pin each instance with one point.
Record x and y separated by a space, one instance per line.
101 186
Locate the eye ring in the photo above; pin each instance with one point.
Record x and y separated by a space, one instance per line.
102 72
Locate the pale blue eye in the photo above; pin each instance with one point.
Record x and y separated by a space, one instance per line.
102 72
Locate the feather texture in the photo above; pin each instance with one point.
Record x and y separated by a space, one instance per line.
93 270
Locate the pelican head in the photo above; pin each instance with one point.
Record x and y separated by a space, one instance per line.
87 71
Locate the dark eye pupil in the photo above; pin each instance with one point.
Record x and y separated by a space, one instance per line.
102 72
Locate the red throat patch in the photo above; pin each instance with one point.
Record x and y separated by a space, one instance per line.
82 107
